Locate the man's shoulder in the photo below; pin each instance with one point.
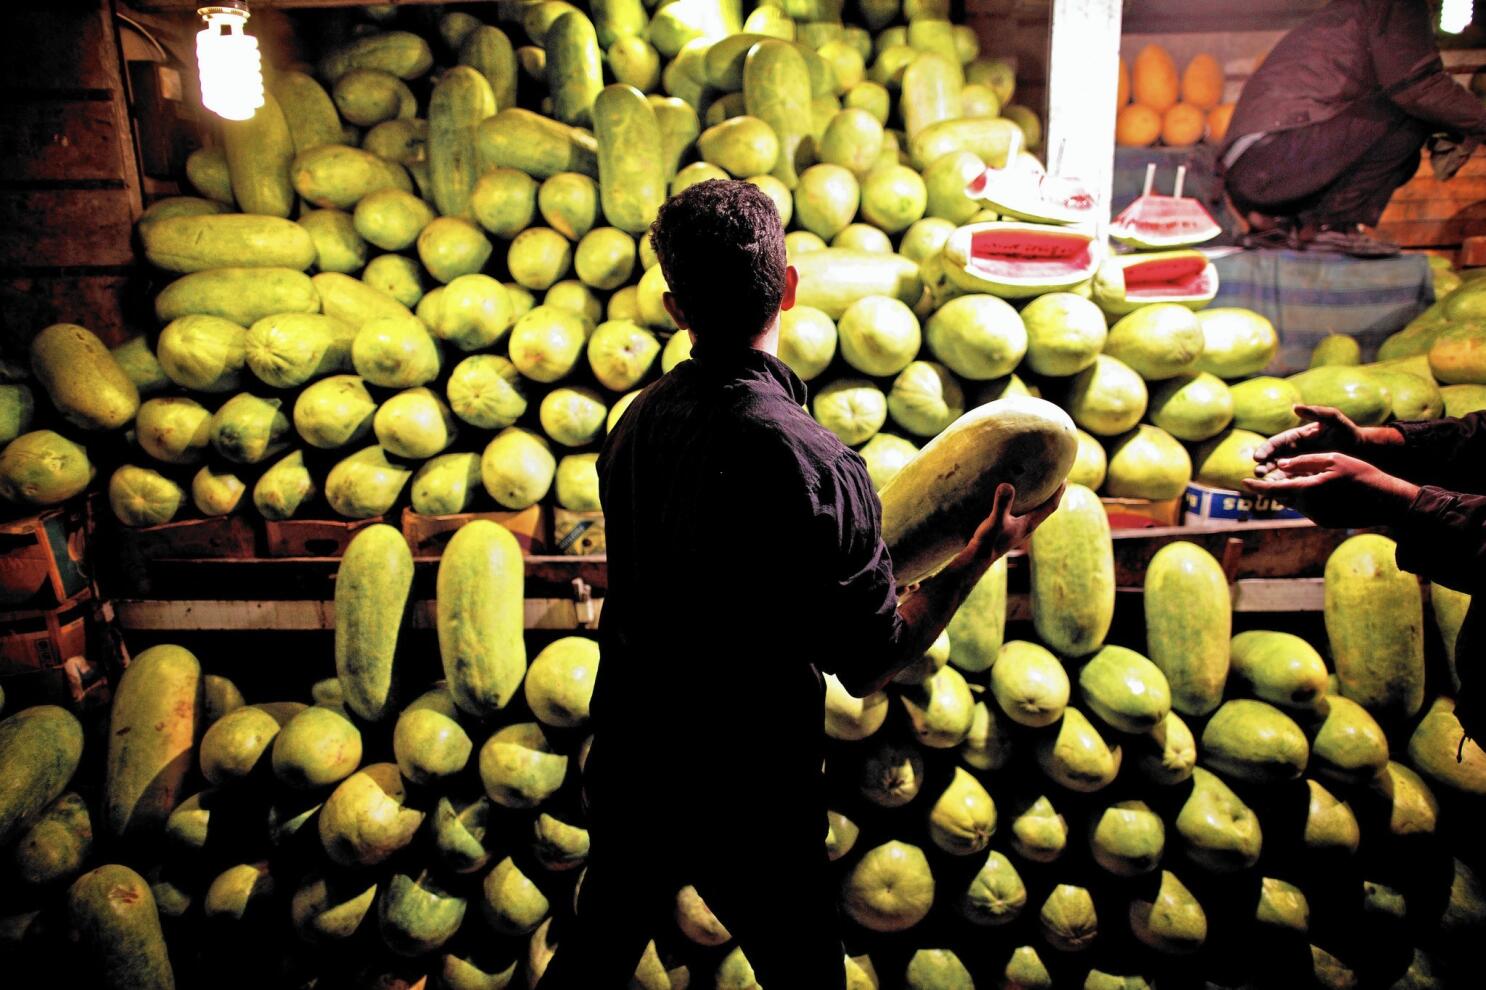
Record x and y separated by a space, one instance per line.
785 427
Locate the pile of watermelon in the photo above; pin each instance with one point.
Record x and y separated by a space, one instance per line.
1083 807
438 293
465 299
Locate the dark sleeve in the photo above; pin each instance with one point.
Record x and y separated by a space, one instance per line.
858 594
1443 538
1450 453
1408 66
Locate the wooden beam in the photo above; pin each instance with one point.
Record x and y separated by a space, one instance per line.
227 615
1279 595
1251 596
1181 16
1084 49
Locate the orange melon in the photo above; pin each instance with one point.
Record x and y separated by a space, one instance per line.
1122 96
1183 125
1202 83
1153 79
1137 126
1217 122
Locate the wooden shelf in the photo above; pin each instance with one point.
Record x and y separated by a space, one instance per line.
1253 595
1275 568
313 578
219 615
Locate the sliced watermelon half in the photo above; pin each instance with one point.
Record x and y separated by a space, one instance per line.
1027 193
1154 223
1016 260
1126 282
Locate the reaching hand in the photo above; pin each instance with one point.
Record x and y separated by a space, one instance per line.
1328 430
1003 531
1336 490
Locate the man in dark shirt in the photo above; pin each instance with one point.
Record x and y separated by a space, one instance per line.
1332 122
1426 480
745 557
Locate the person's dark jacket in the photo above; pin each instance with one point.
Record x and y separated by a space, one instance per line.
1443 535
745 558
1347 54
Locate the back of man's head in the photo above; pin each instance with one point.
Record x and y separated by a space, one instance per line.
721 247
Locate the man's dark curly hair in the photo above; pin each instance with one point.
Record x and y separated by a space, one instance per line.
721 247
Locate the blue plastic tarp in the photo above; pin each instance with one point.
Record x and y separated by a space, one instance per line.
1308 296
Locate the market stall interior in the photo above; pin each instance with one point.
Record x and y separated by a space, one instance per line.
302 555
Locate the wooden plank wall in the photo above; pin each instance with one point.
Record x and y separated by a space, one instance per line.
1016 29
69 182
1435 216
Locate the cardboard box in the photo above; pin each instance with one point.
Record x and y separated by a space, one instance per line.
59 656
1211 505
217 537
428 535
1142 513
77 683
40 639
44 558
577 533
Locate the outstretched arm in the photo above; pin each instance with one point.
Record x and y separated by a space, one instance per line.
1441 534
1407 62
1336 489
923 612
1447 452
1328 430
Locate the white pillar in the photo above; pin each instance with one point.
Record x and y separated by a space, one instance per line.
1083 73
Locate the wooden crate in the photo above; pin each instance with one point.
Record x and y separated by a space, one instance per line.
44 558
190 539
1473 252
312 537
428 535
1142 513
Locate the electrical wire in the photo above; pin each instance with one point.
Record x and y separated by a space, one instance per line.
142 30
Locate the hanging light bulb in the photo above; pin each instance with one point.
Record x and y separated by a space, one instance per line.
1455 16
231 72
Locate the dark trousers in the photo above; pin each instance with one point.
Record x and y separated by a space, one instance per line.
1335 173
767 882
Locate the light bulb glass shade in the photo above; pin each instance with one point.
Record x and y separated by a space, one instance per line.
1455 16
230 67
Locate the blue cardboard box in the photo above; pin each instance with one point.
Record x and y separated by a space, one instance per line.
1209 505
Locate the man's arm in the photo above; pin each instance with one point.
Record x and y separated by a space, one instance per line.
1442 536
1335 489
1407 62
883 634
1446 452
929 606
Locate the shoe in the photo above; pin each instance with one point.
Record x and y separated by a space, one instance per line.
1353 241
1272 239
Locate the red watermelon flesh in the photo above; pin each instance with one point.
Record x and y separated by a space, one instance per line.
1184 276
1031 255
1164 221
